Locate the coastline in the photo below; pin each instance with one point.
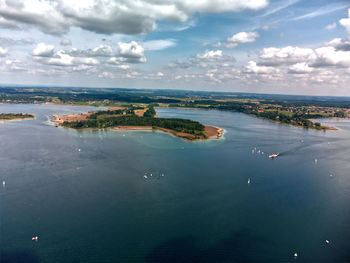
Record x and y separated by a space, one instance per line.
324 127
17 119
330 128
210 132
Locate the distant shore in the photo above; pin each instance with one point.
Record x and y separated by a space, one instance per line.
23 117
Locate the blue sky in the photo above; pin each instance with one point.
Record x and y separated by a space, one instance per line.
286 47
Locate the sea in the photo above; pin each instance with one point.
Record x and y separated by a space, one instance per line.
147 196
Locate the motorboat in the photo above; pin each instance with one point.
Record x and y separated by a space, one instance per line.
273 155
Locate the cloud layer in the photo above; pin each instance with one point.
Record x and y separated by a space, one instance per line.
108 16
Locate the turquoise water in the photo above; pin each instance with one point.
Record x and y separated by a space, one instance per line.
84 192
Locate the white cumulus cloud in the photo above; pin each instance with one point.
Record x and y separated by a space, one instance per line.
44 50
252 67
132 51
239 38
286 55
300 68
3 52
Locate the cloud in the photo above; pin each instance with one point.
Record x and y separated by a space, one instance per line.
116 60
113 16
252 67
300 68
244 37
45 55
339 44
6 41
210 59
159 44
43 50
132 52
210 55
63 59
3 52
329 56
280 7
239 38
285 56
65 42
334 54
7 24
42 14
100 51
321 11
14 65
331 26
345 22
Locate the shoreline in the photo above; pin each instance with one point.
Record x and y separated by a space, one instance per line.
210 132
17 119
324 127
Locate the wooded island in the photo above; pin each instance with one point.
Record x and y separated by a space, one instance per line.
139 118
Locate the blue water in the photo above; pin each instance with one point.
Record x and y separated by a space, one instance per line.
94 204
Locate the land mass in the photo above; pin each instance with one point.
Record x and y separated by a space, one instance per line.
15 116
138 118
295 110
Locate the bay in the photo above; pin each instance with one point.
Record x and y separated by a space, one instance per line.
83 193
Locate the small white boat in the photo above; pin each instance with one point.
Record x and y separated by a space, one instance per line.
35 238
3 183
79 150
162 175
295 255
315 161
145 176
249 181
327 241
273 155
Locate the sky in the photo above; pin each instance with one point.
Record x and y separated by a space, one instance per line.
262 46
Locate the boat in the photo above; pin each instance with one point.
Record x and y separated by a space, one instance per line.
274 155
295 255
249 181
35 238
3 183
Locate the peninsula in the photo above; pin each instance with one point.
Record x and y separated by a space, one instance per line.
15 116
138 118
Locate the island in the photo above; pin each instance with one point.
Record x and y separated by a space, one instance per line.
138 118
15 116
